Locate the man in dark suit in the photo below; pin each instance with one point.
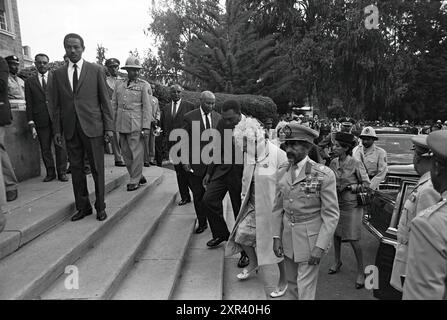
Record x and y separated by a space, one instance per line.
172 118
37 96
224 177
83 113
196 122
10 180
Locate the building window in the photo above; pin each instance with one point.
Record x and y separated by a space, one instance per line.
3 20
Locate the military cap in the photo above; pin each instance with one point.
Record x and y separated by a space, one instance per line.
345 137
12 59
420 144
112 62
437 142
297 132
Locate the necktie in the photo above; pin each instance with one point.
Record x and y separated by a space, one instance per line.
174 108
44 83
207 121
293 172
75 77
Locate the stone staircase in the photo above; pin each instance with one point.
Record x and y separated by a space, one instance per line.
146 249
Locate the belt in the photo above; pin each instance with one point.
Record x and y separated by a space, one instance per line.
299 219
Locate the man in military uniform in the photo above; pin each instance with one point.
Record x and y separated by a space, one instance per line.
133 116
422 197
112 66
372 157
426 273
16 86
305 211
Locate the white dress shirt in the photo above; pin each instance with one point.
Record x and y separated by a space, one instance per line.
71 70
204 118
175 107
45 75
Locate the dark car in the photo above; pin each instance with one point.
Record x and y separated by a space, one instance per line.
383 213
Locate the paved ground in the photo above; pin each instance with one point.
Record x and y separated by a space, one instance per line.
340 286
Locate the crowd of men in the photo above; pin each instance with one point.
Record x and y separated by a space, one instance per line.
81 107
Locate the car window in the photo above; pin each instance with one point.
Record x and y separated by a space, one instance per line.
395 144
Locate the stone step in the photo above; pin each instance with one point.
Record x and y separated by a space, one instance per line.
28 272
41 206
103 268
201 276
155 274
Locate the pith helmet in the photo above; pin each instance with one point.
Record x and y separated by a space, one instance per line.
132 62
368 132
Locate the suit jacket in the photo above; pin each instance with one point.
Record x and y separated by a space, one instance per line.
90 102
191 119
231 157
170 122
38 101
5 108
319 211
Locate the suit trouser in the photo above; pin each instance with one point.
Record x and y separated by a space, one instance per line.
182 181
116 147
9 177
77 147
2 193
149 147
302 279
45 135
212 202
133 152
195 183
159 150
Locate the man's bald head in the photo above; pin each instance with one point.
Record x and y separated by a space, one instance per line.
207 101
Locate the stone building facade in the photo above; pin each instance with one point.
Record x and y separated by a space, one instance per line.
10 36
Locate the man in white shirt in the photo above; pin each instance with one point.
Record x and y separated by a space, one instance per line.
38 112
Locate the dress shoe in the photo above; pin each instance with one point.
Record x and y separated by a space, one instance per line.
143 181
278 292
81 214
152 163
11 195
243 261
200 229
360 285
245 274
87 170
336 270
63 177
183 202
216 241
146 164
101 215
119 164
49 178
132 186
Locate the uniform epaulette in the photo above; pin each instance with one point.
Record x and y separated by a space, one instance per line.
321 168
142 80
429 211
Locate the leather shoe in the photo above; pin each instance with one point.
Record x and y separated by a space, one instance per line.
81 214
11 195
143 181
243 261
63 177
132 186
119 164
101 215
152 163
183 202
216 241
87 170
49 178
146 164
200 229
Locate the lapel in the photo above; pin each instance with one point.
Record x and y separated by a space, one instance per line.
84 72
67 80
307 166
37 82
214 119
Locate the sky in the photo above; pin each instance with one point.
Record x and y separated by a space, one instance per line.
116 24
